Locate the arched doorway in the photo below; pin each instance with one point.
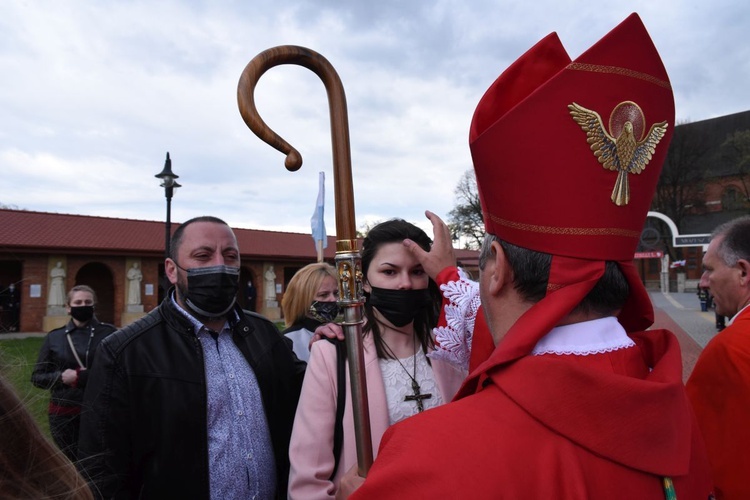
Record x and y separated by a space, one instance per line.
99 277
10 300
247 298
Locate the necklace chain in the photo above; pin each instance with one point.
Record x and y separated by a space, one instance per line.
417 396
414 383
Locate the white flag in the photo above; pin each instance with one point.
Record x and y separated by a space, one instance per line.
317 222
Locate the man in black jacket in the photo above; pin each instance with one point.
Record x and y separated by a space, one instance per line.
62 366
197 399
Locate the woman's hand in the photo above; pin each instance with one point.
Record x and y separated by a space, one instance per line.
329 331
69 377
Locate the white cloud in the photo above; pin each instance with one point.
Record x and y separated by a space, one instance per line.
94 94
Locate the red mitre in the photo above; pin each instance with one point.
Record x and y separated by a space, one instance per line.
567 155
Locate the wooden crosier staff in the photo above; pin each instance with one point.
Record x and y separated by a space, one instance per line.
348 260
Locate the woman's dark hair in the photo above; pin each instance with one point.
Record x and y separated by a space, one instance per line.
396 231
30 465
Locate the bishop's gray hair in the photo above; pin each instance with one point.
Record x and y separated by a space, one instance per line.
530 268
531 273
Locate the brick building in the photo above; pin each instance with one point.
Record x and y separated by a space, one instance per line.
719 192
99 251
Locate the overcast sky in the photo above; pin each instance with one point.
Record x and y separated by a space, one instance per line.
94 93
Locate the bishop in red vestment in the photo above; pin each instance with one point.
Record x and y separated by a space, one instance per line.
577 399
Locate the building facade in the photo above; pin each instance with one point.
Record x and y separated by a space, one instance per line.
46 254
705 182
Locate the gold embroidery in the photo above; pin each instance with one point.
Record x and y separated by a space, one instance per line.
577 231
623 148
616 70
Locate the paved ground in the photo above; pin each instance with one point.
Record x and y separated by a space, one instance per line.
677 312
681 313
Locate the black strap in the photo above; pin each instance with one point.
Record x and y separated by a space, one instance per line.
338 427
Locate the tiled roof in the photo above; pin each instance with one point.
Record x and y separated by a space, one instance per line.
53 232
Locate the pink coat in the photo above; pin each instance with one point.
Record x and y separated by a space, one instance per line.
311 447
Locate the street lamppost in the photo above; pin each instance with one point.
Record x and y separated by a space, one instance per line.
168 183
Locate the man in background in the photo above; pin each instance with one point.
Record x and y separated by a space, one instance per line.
10 308
719 386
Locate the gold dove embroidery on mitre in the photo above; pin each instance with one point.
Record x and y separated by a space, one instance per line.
623 148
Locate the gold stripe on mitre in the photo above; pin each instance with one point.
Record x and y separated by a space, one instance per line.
573 231
616 70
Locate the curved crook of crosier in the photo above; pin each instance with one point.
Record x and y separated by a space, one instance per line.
347 257
342 165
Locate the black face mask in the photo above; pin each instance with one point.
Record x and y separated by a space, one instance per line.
325 312
399 307
211 291
82 313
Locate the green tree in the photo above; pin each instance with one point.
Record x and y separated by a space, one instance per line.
465 219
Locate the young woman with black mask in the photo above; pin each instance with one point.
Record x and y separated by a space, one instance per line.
401 307
62 366
309 302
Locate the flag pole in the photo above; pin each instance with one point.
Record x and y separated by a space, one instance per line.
348 259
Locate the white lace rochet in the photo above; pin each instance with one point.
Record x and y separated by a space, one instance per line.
454 339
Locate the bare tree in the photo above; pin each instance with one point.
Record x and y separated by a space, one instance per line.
465 220
736 150
680 188
365 227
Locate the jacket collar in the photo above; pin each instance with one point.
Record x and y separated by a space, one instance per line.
308 324
92 324
176 317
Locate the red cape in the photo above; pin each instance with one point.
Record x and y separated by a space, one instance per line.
597 426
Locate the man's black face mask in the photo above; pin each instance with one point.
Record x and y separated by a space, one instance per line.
211 291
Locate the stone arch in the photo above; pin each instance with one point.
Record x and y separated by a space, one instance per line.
669 222
99 277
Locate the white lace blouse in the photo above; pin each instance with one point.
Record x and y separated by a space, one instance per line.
398 385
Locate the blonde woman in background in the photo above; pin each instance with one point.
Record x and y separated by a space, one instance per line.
309 303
